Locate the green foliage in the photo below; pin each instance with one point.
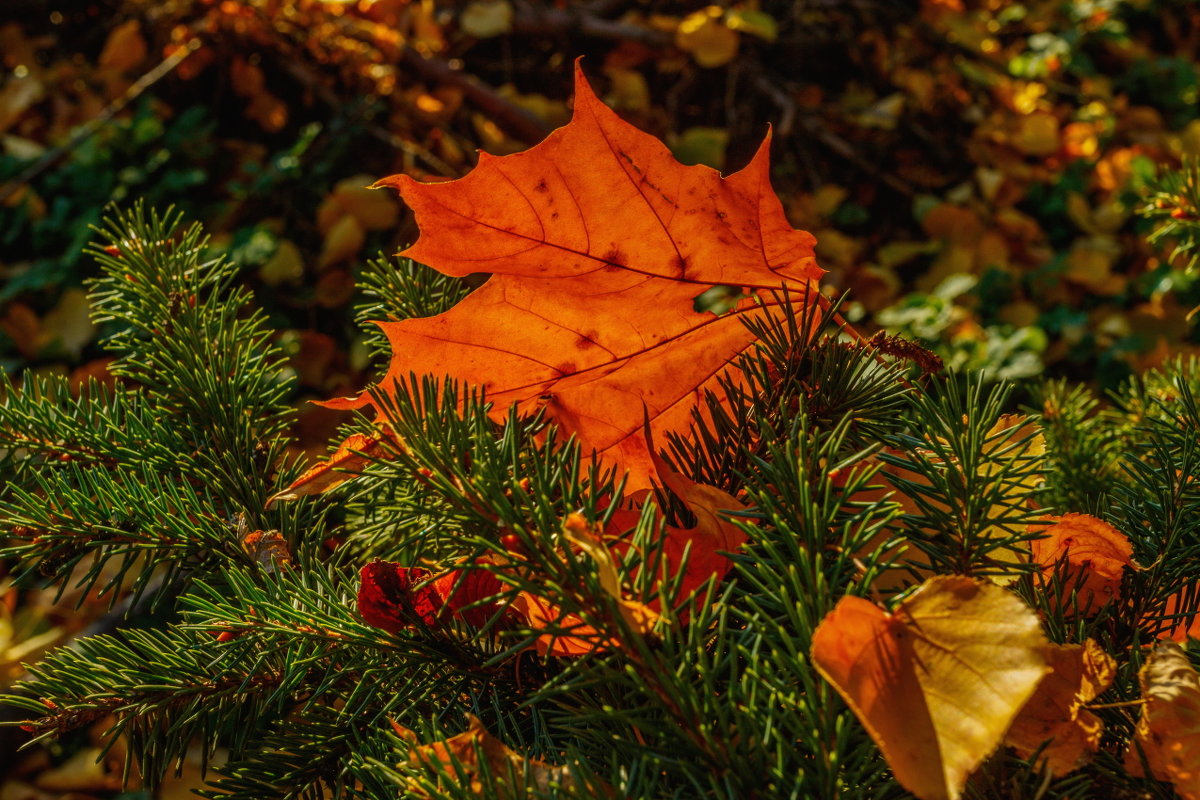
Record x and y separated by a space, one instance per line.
1174 204
140 488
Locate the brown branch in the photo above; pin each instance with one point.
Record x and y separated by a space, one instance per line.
510 117
542 19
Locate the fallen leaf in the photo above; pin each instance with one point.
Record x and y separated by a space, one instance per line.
69 323
1180 628
17 95
397 598
486 18
85 771
1055 715
480 762
579 638
707 38
1009 447
125 49
1096 556
372 209
1168 732
709 539
936 682
343 241
466 591
351 457
1037 134
285 266
268 548
599 242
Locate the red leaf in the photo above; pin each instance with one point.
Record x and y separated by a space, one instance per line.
387 598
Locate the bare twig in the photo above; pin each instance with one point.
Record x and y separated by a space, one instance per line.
815 127
312 82
86 130
544 19
509 116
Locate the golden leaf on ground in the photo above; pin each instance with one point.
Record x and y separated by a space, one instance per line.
705 35
1168 732
1055 713
481 763
125 47
1010 445
342 243
486 18
1037 134
938 681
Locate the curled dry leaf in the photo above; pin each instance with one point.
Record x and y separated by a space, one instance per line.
480 762
703 547
1096 556
1055 716
598 242
1168 732
352 456
938 681
268 548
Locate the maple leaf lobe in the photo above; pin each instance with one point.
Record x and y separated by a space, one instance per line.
598 242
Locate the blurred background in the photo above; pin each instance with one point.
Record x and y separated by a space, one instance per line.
972 169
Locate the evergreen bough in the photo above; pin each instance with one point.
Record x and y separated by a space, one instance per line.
145 492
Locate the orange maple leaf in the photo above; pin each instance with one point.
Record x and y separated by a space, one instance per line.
599 243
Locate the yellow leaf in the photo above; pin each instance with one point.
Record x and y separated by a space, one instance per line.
628 90
70 322
753 23
701 145
82 772
1037 134
285 266
1189 140
938 681
375 210
125 47
1168 733
1090 263
703 34
1055 713
343 241
16 96
486 18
